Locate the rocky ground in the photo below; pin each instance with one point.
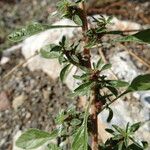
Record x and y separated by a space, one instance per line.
28 100
32 99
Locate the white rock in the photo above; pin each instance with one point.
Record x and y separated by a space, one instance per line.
4 60
120 25
124 25
36 42
123 66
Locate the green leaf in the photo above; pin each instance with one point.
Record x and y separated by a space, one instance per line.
64 72
61 117
118 129
145 144
61 58
56 48
140 83
62 43
126 141
120 145
34 138
77 20
110 131
80 140
117 137
99 63
47 53
82 77
113 90
32 29
106 66
141 37
118 83
75 122
135 147
136 143
25 32
83 88
110 116
135 127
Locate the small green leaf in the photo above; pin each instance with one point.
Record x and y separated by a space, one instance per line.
126 141
136 143
80 140
113 90
120 145
34 138
99 63
145 144
56 48
94 65
75 122
77 20
62 43
83 88
110 131
118 129
25 32
61 117
133 146
82 77
61 58
110 116
106 66
135 127
140 83
64 72
32 29
118 83
47 53
117 137
141 37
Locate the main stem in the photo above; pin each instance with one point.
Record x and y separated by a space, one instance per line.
86 52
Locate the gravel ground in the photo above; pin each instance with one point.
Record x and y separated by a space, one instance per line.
33 102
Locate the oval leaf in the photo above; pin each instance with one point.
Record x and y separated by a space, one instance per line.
25 32
83 88
80 140
141 37
32 29
34 138
47 53
106 66
110 116
110 131
135 127
140 83
64 72
118 83
77 20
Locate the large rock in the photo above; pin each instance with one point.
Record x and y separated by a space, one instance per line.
36 42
